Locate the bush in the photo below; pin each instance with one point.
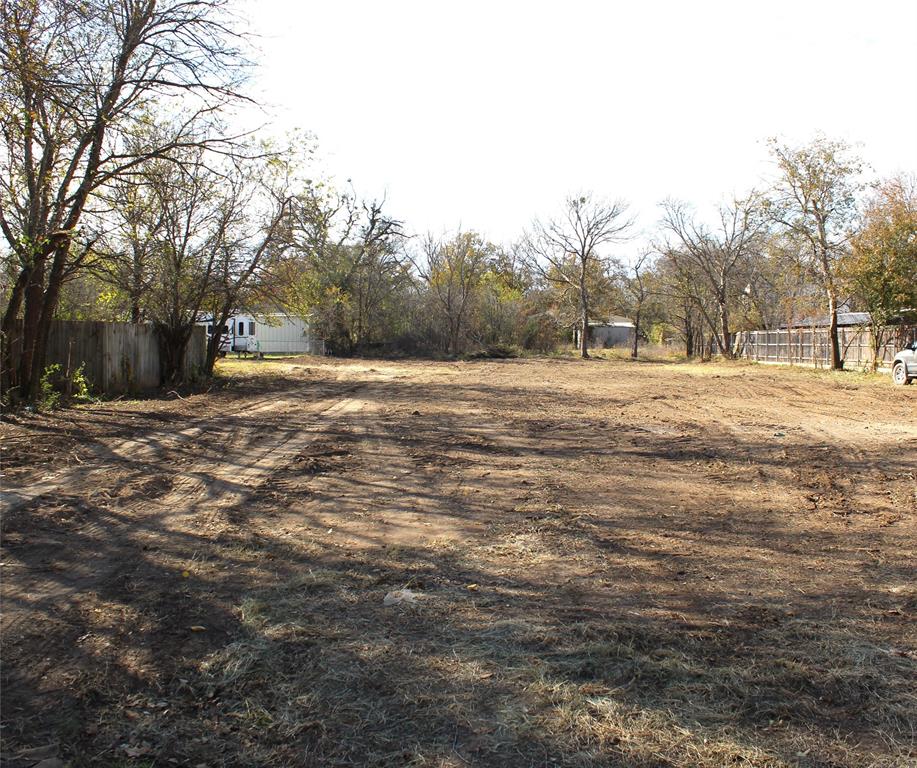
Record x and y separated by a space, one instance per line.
499 351
49 393
82 388
54 385
540 334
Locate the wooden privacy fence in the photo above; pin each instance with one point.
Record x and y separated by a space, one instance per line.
812 346
117 357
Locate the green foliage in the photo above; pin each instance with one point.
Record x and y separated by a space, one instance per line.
48 394
82 389
56 390
882 266
658 332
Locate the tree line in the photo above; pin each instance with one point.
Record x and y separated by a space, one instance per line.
125 196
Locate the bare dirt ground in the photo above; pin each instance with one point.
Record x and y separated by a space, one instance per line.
514 563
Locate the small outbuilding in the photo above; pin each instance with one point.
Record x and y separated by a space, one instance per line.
617 331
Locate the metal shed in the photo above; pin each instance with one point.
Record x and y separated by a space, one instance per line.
617 331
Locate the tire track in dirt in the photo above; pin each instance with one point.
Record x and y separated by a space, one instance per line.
417 479
130 451
252 450
401 504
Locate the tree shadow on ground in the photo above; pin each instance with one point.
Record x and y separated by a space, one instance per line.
568 627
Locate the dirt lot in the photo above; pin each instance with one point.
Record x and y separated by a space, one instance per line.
605 563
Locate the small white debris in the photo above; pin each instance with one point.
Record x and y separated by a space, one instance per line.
400 597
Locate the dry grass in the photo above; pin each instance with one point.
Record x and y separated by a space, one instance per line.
619 570
325 674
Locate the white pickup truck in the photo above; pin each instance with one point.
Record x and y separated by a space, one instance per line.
904 367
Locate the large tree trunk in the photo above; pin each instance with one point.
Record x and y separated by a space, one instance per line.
43 327
22 375
31 317
173 343
12 338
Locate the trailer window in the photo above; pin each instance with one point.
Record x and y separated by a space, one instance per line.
241 328
251 328
210 330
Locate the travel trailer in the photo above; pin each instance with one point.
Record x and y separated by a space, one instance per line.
267 334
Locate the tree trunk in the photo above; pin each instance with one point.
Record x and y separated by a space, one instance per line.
633 352
39 304
877 337
12 338
213 350
584 336
213 343
837 363
173 342
689 336
31 316
726 347
584 305
451 340
43 327
136 285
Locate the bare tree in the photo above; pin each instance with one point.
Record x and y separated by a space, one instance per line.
125 253
255 202
778 289
709 260
379 266
78 80
815 199
567 249
345 263
197 218
679 298
636 285
452 270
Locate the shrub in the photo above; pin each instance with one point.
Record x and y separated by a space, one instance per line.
49 394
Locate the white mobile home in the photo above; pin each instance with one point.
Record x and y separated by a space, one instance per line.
269 333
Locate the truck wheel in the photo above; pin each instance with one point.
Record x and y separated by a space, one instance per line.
899 374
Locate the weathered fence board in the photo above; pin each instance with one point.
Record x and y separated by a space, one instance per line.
812 346
117 358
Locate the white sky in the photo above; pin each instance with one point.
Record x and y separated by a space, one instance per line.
484 114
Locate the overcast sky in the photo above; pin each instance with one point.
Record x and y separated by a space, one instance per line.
484 114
